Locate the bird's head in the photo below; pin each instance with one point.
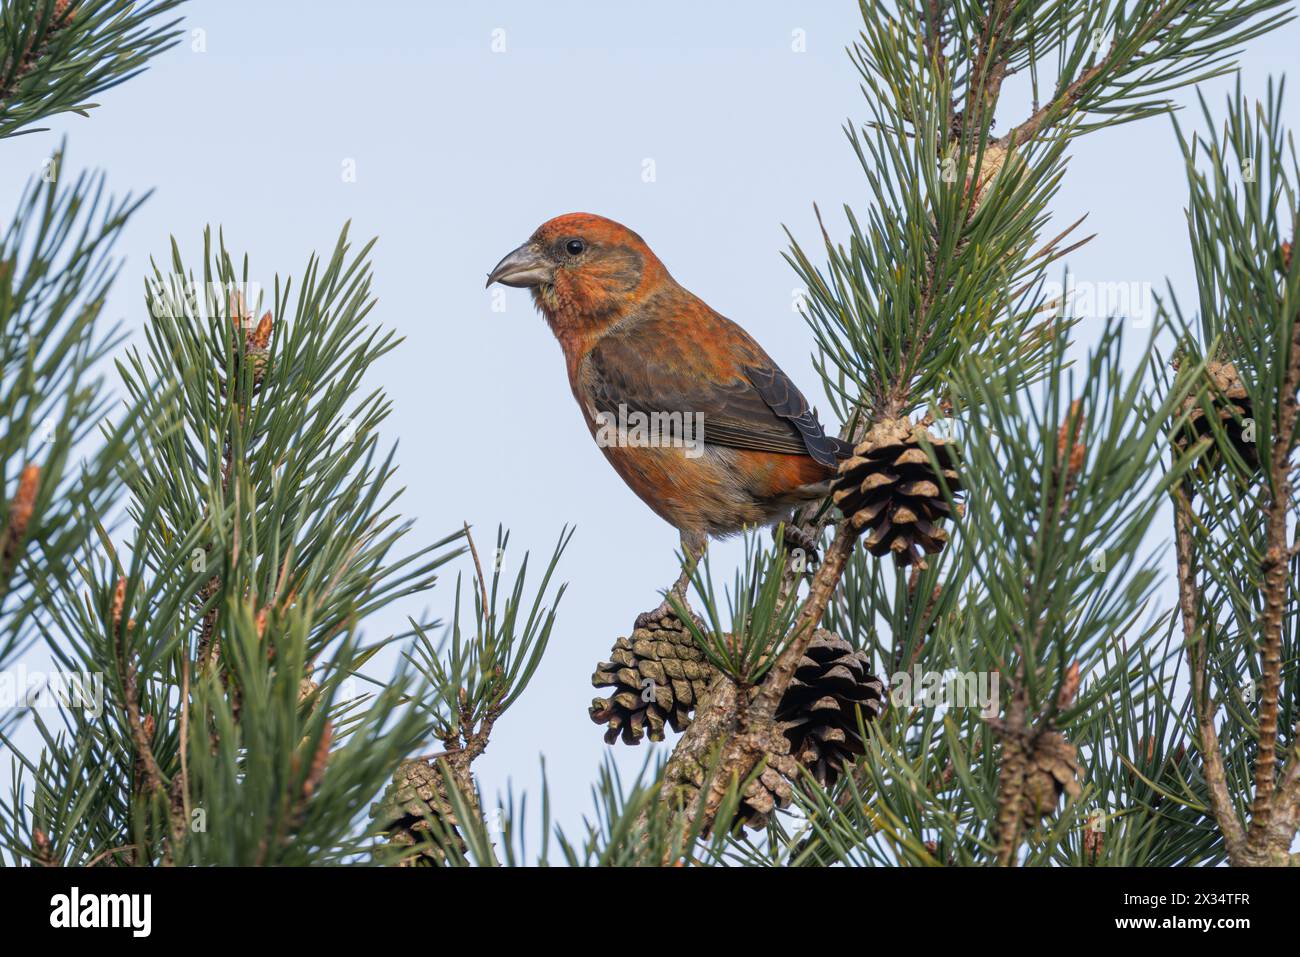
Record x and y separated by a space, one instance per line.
582 269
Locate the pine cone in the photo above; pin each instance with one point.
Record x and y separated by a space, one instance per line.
659 675
890 488
257 347
771 791
818 713
980 182
403 814
1053 771
1229 400
816 725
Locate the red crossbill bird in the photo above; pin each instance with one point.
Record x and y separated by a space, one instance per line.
697 419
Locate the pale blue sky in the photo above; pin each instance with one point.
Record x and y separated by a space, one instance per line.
460 152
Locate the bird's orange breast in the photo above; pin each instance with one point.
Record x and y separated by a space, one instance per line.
711 490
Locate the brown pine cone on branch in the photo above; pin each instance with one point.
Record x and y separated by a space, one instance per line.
659 675
417 792
771 791
1229 401
1053 772
816 725
889 488
819 711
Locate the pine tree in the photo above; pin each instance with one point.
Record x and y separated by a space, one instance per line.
55 269
988 525
1030 569
993 524
1237 560
224 614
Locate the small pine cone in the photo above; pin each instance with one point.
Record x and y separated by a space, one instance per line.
19 516
1228 399
771 791
1070 452
980 181
256 347
252 341
818 713
659 675
44 848
1053 771
403 814
889 488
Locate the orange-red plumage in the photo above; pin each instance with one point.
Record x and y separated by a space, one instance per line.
636 341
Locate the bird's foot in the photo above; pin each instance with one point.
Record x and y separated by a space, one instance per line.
801 544
663 613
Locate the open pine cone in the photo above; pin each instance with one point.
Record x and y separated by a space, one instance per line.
771 791
403 812
1229 400
1053 771
658 674
889 488
816 725
818 713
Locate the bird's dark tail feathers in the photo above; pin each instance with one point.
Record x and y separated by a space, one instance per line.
840 447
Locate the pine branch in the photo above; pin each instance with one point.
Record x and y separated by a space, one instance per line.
56 267
432 811
890 355
1235 563
1013 769
55 53
55 19
1197 655
1275 568
251 489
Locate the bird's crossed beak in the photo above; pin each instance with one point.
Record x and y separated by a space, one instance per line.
521 268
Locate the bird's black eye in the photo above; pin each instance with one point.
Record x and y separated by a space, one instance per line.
574 247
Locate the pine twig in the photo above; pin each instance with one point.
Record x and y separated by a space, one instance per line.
64 10
1013 769
1276 586
1216 780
